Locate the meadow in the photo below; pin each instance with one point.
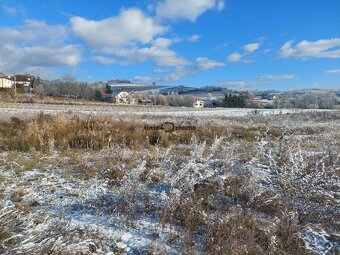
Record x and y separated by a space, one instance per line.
78 182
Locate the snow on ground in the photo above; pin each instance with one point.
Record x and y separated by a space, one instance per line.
74 206
160 111
55 204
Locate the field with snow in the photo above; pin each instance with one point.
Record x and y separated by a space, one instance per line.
92 180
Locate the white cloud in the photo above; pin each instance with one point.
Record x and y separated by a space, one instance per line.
160 56
186 9
158 52
145 79
162 43
260 80
179 73
334 71
234 57
194 38
103 60
237 84
247 49
206 64
159 70
327 48
36 45
274 78
16 59
130 26
34 31
251 47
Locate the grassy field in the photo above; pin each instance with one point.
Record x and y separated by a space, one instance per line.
73 181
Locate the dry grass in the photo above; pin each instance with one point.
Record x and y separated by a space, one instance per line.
247 188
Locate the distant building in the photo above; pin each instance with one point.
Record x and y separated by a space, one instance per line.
209 103
23 83
5 81
22 80
125 98
199 103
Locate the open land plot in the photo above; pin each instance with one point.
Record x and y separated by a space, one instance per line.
78 182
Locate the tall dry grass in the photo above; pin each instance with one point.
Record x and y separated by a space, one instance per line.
49 132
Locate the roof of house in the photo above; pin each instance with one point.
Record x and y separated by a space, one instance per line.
22 78
208 101
4 76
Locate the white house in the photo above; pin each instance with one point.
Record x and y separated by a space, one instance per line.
5 81
125 98
22 80
199 103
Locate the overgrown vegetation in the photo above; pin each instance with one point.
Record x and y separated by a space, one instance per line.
80 185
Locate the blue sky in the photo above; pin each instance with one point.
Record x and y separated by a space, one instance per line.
247 44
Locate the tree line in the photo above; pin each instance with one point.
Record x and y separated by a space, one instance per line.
67 86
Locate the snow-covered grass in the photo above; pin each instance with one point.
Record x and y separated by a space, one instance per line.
237 185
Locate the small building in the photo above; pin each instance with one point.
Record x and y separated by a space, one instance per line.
22 80
125 98
23 83
209 103
5 81
199 103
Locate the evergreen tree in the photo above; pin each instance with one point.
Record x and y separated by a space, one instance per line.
234 101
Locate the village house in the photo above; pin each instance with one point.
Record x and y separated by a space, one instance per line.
207 103
23 82
125 98
5 81
199 103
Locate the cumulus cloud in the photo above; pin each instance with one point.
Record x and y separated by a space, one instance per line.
274 78
206 64
103 60
34 31
159 53
18 59
237 84
145 79
234 57
194 38
179 72
334 71
158 70
327 48
160 56
186 9
260 80
36 45
162 43
251 47
247 49
130 26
